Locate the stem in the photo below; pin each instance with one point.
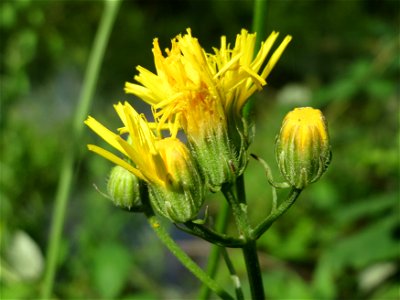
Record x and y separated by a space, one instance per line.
253 270
250 252
212 264
165 238
259 24
212 236
239 209
172 246
261 228
67 166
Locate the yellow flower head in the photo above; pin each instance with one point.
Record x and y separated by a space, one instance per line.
148 152
197 90
302 147
204 94
175 186
239 72
182 92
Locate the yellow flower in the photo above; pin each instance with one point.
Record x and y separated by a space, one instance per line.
183 92
204 93
143 151
176 188
238 72
195 89
302 147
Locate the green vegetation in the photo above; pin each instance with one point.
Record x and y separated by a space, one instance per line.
339 241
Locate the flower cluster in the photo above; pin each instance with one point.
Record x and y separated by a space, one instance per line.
202 94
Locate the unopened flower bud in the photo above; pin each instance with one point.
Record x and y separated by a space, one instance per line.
181 197
302 148
123 187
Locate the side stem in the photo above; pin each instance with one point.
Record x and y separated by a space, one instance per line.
177 251
263 226
166 239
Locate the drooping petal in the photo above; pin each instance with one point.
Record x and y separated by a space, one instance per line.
104 133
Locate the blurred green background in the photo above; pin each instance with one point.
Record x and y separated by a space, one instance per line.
339 241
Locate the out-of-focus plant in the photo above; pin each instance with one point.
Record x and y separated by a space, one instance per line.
340 242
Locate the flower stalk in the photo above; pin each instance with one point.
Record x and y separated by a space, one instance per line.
239 210
166 239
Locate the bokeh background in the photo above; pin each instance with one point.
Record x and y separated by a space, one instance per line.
339 241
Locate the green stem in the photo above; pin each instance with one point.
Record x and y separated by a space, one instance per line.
253 270
212 236
261 228
259 19
172 246
67 166
165 238
239 209
212 264
258 26
250 251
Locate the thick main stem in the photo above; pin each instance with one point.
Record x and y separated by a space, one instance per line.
239 209
253 270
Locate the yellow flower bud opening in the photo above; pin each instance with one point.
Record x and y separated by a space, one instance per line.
176 188
302 146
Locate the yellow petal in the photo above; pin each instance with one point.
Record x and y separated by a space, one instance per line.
104 133
115 159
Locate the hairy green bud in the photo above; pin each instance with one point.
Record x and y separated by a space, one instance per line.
123 188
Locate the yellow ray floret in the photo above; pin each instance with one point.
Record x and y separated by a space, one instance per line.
215 84
145 149
240 73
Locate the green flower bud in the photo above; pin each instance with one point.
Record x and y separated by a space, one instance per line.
302 148
181 196
123 187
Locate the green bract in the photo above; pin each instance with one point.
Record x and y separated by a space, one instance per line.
182 196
